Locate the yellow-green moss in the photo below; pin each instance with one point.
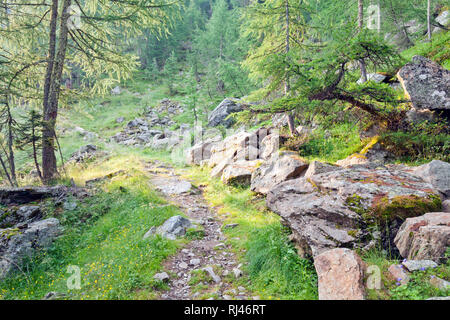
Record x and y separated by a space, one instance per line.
405 207
373 141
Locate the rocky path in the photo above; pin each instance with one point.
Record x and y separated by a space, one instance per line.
205 268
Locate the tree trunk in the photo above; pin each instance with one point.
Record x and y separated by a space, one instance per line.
429 20
362 64
51 108
287 86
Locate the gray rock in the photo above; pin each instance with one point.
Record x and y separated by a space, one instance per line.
426 83
163 277
446 205
375 77
424 237
222 111
183 265
437 173
86 152
170 186
317 167
325 210
439 298
201 151
415 265
116 90
24 214
120 119
212 274
439 283
194 262
172 228
16 244
276 170
239 172
237 272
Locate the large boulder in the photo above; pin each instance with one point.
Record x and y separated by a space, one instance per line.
426 84
425 237
341 275
341 208
222 111
437 173
17 243
276 170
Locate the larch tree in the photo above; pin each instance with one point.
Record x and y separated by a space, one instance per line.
50 38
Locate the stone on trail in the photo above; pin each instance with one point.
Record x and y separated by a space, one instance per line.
171 186
163 277
172 228
212 274
341 275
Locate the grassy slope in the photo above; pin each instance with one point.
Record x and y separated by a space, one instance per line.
115 262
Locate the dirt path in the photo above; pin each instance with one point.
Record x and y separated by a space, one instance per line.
205 268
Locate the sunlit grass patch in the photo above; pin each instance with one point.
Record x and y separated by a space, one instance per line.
273 270
104 238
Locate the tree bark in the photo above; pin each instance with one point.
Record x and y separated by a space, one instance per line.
429 20
287 86
49 167
362 64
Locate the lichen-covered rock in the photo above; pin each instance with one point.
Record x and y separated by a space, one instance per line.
317 167
437 173
219 115
426 84
24 214
18 243
337 208
341 275
424 237
276 170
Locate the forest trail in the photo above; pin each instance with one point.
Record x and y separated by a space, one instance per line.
205 266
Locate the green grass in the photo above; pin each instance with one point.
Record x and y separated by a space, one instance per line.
332 143
437 50
272 268
103 237
418 288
